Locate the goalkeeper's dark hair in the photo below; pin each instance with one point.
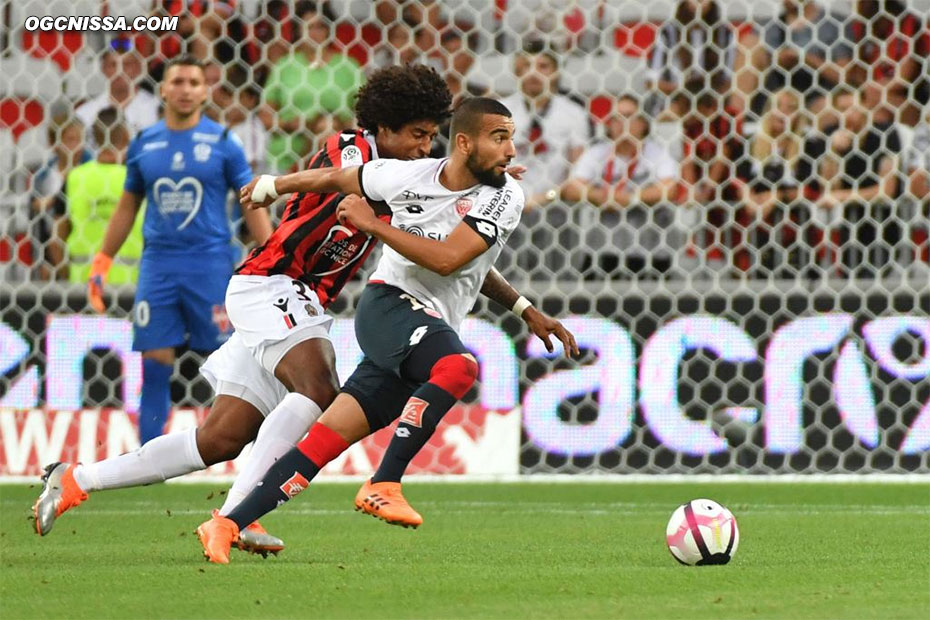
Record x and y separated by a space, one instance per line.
395 96
469 113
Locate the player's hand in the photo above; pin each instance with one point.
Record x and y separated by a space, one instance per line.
259 193
99 269
516 171
544 326
356 211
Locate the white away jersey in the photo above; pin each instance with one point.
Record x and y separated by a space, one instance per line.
422 206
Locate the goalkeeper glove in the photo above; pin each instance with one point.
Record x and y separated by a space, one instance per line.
99 269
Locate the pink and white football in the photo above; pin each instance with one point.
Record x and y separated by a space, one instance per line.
702 532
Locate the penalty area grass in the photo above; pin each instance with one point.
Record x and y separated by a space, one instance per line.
485 550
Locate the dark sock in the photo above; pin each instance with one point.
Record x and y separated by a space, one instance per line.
417 423
155 402
290 474
287 477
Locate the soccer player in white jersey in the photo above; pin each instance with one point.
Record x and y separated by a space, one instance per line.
450 219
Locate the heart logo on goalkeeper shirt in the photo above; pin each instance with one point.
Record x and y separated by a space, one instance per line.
294 485
413 412
184 196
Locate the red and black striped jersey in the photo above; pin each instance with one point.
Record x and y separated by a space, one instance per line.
310 244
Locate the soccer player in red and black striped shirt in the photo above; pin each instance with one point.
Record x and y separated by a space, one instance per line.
277 372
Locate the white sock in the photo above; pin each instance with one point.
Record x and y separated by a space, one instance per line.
280 432
162 458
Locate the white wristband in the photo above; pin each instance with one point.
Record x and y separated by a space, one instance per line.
264 189
521 305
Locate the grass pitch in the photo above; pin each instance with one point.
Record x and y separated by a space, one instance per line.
485 550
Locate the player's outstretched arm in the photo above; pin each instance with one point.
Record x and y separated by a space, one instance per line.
262 191
443 257
117 230
498 289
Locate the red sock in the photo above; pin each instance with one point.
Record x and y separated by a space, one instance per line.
322 444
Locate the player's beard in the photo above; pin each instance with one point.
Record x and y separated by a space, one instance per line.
485 176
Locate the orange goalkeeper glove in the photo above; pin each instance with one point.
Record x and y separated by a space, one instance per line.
99 269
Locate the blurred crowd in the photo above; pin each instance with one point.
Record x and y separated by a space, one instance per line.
791 146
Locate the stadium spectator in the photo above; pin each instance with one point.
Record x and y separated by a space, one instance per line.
207 29
397 49
460 60
859 179
310 91
551 129
122 68
892 45
917 162
696 45
712 144
273 34
244 120
628 177
93 190
770 187
47 199
917 167
804 48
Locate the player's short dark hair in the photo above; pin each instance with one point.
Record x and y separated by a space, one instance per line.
184 60
395 96
468 114
105 126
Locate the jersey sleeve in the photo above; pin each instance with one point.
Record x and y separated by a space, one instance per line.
135 182
496 213
382 179
348 149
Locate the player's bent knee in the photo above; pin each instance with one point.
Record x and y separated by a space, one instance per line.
218 445
455 374
320 386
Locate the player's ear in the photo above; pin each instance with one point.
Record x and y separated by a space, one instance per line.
463 142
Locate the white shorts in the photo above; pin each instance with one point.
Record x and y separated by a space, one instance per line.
233 371
271 315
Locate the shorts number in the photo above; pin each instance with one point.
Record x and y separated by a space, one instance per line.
301 290
418 334
414 302
143 313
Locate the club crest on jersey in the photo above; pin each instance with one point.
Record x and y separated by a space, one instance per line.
413 412
202 151
221 319
463 206
294 485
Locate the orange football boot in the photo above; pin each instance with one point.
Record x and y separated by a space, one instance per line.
217 537
385 501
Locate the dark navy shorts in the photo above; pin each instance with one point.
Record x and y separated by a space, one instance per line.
389 325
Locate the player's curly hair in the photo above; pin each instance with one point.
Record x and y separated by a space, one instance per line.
395 96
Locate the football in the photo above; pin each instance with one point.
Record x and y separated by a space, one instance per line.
702 532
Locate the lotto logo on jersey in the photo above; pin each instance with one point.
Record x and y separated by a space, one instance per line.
413 412
294 485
